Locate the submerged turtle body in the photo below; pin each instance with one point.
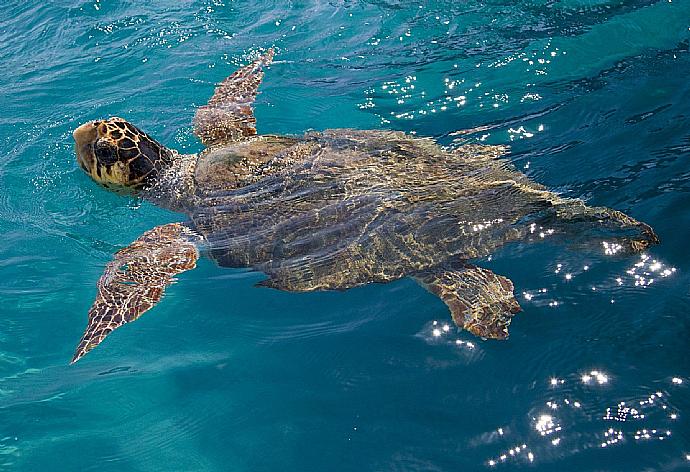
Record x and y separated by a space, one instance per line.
341 208
328 210
344 207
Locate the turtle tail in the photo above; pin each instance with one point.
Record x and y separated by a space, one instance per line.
615 230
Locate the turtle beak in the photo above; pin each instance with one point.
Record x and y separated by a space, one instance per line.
84 137
85 134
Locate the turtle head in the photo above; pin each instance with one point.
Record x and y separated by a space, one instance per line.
119 155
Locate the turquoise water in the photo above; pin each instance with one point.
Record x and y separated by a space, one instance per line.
592 96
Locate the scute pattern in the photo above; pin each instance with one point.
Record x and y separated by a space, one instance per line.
135 280
115 152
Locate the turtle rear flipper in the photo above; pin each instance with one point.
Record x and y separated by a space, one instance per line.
136 279
618 231
228 116
479 300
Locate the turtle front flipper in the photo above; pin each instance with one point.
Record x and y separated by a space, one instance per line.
228 116
135 280
479 300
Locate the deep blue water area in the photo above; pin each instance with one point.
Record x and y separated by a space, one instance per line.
593 98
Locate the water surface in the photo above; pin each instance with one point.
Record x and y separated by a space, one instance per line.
593 98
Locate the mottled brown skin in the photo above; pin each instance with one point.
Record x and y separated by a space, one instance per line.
228 116
486 302
135 280
328 211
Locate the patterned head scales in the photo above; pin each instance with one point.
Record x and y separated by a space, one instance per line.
118 154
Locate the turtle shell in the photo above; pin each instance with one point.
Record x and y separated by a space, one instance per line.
341 208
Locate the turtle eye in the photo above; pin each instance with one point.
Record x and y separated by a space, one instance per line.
105 152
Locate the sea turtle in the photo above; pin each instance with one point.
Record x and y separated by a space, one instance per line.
327 210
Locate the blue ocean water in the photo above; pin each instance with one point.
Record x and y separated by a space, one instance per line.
592 96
